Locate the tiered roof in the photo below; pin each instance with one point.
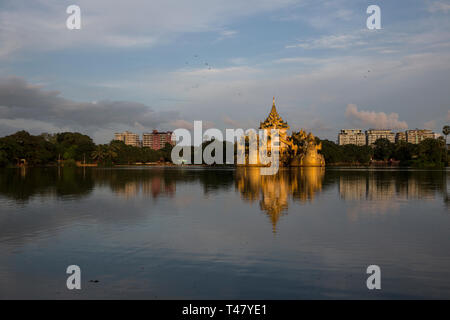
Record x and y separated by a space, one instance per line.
274 121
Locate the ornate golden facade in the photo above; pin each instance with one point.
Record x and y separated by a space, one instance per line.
297 150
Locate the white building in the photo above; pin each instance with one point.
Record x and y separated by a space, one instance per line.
352 136
418 135
129 138
373 135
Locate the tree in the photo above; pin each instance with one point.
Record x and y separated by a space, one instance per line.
404 152
22 145
430 153
446 132
346 154
383 149
99 154
331 152
74 145
3 158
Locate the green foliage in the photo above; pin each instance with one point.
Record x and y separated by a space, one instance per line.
383 149
46 149
73 145
70 163
446 130
117 152
3 158
404 152
346 154
430 154
21 145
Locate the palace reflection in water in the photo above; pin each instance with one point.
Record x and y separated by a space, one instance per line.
160 232
273 193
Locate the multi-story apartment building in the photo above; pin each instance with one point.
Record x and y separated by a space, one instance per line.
157 140
418 135
373 135
129 138
355 136
351 136
400 136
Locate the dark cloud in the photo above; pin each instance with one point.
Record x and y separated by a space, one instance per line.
27 102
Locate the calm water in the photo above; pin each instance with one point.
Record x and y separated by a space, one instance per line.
159 233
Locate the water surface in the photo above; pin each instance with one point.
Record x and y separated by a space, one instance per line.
201 233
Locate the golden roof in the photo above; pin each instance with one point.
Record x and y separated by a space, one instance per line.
274 120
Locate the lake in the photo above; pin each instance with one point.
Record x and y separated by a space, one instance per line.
205 233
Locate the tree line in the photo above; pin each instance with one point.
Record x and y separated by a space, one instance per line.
70 147
429 153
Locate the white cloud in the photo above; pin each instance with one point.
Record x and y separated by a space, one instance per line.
180 123
214 72
238 61
131 23
233 123
342 41
225 34
377 120
439 6
228 33
306 60
306 89
430 124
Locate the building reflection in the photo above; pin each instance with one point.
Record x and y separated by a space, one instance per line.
154 187
273 192
376 185
383 192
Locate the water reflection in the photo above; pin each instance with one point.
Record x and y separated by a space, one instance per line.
365 191
384 185
23 184
154 187
149 227
274 191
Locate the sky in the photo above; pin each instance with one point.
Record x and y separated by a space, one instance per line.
161 64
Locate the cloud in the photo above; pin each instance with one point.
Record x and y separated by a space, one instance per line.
183 124
430 124
438 6
238 61
339 41
189 125
133 23
448 115
305 60
233 123
376 120
27 106
225 34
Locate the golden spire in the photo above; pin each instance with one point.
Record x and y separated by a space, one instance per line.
274 120
274 109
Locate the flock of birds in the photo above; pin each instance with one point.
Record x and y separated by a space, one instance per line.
197 63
